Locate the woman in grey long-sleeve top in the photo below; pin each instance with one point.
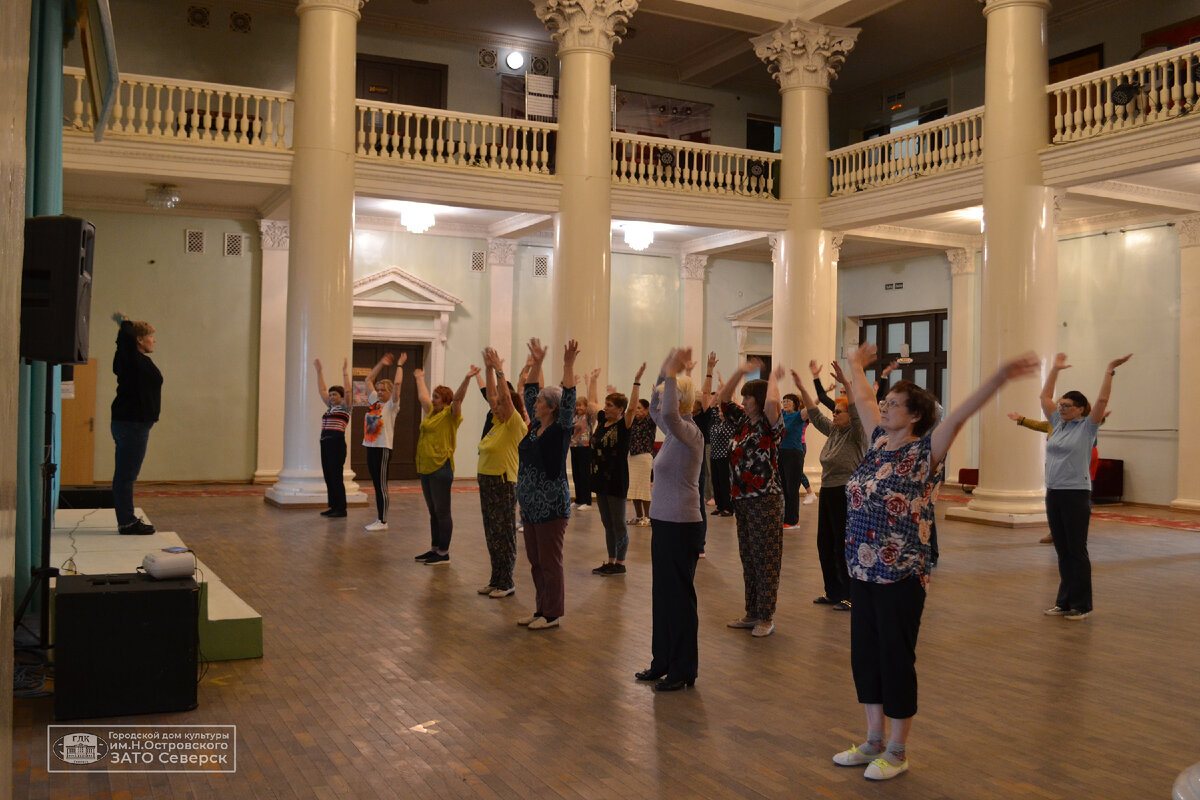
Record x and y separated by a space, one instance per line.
677 532
843 452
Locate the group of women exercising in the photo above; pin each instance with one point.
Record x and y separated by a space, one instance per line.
881 468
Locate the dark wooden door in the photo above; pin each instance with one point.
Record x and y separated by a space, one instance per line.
403 465
396 80
928 338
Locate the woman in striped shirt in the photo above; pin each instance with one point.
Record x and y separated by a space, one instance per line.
333 438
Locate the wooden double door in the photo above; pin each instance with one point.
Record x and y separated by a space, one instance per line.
403 465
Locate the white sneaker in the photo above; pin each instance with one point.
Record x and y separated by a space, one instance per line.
881 769
763 628
808 498
498 593
528 620
583 507
486 589
854 757
541 623
377 525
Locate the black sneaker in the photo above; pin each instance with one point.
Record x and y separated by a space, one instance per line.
615 569
425 556
435 560
327 512
136 528
843 605
333 514
603 569
824 600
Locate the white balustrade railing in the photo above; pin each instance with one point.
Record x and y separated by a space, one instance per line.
431 136
940 146
1153 89
686 166
166 108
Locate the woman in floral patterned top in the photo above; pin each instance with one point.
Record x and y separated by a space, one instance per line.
756 491
890 499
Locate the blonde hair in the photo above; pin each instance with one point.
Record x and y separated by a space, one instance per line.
141 329
385 384
687 394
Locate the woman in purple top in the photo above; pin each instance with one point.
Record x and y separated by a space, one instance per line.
890 499
677 529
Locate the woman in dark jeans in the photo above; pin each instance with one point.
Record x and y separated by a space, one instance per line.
436 442
610 473
791 460
134 412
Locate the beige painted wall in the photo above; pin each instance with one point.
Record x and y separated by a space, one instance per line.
205 309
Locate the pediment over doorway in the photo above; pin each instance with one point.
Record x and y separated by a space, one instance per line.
397 290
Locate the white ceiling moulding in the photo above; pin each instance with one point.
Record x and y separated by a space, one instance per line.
718 243
1139 194
917 236
702 211
962 188
389 224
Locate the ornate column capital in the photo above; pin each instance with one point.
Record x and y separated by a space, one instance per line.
275 234
502 252
775 240
800 53
693 266
594 25
1189 231
351 7
962 261
835 246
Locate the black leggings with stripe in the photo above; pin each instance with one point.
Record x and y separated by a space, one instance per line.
377 463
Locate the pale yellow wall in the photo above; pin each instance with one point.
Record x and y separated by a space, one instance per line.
205 309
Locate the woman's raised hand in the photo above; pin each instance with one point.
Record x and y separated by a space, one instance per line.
317 364
712 360
840 376
402 360
570 351
814 368
473 371
1060 361
1021 366
864 356
537 353
1014 416
641 369
1116 362
388 359
796 375
752 364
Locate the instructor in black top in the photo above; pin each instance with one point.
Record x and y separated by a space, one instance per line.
134 412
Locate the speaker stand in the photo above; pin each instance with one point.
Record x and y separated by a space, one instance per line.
42 574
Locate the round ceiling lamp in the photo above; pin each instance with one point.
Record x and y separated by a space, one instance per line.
514 60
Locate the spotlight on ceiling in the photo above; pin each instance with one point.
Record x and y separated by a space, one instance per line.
417 217
514 60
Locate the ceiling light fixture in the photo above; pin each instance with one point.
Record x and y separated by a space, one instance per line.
638 235
417 217
514 60
161 196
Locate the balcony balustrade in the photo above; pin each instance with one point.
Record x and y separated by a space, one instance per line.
689 167
1152 89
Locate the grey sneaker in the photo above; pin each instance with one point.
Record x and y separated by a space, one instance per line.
1055 611
1076 614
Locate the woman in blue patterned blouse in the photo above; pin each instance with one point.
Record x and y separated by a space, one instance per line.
890 509
542 487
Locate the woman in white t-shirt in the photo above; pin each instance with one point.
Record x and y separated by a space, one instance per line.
378 426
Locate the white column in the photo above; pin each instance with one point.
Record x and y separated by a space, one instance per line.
272 347
1188 480
693 269
1019 283
586 31
804 57
319 300
502 256
964 355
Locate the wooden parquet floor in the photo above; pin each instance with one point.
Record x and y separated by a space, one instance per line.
386 678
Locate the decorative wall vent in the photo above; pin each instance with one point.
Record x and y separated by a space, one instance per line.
541 266
239 21
539 65
193 242
478 261
488 58
234 245
197 17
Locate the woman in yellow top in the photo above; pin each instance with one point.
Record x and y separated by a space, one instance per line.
498 464
436 441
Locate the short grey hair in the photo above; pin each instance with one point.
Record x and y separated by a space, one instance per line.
551 395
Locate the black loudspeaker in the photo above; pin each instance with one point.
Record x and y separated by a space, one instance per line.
56 289
124 644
